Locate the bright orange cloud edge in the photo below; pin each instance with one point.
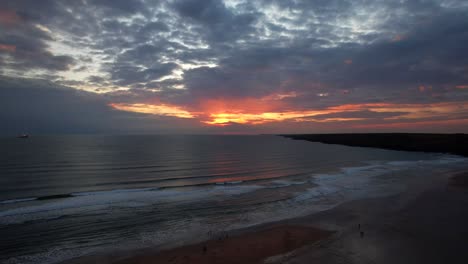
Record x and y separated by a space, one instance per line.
223 113
155 109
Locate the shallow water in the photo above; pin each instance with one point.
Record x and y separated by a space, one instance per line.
62 197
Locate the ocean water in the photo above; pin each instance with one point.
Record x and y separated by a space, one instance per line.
68 196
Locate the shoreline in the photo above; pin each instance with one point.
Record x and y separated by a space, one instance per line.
248 247
426 223
439 143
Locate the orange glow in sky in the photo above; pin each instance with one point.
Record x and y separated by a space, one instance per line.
161 109
250 105
414 124
252 111
223 119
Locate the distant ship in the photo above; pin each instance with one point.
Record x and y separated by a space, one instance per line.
23 136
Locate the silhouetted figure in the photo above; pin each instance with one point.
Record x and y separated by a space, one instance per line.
205 249
359 226
362 234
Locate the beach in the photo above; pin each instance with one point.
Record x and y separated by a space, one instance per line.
245 199
233 132
244 247
425 224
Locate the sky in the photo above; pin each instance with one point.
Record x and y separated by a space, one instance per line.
233 66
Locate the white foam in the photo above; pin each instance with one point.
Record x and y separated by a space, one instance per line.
331 190
353 179
285 183
114 191
349 179
85 202
21 200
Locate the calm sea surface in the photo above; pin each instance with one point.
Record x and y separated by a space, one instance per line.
63 197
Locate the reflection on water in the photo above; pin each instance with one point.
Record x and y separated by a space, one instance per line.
66 196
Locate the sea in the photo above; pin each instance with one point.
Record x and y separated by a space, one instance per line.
63 197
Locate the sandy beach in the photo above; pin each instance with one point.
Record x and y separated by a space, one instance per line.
241 246
460 180
250 247
425 224
233 131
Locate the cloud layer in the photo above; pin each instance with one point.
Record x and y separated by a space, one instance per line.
237 66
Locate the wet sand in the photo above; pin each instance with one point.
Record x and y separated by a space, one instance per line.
460 180
425 224
244 247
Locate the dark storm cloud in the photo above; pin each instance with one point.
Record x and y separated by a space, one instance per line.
126 74
328 52
123 6
430 52
96 79
38 106
146 54
150 29
29 49
215 20
41 107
